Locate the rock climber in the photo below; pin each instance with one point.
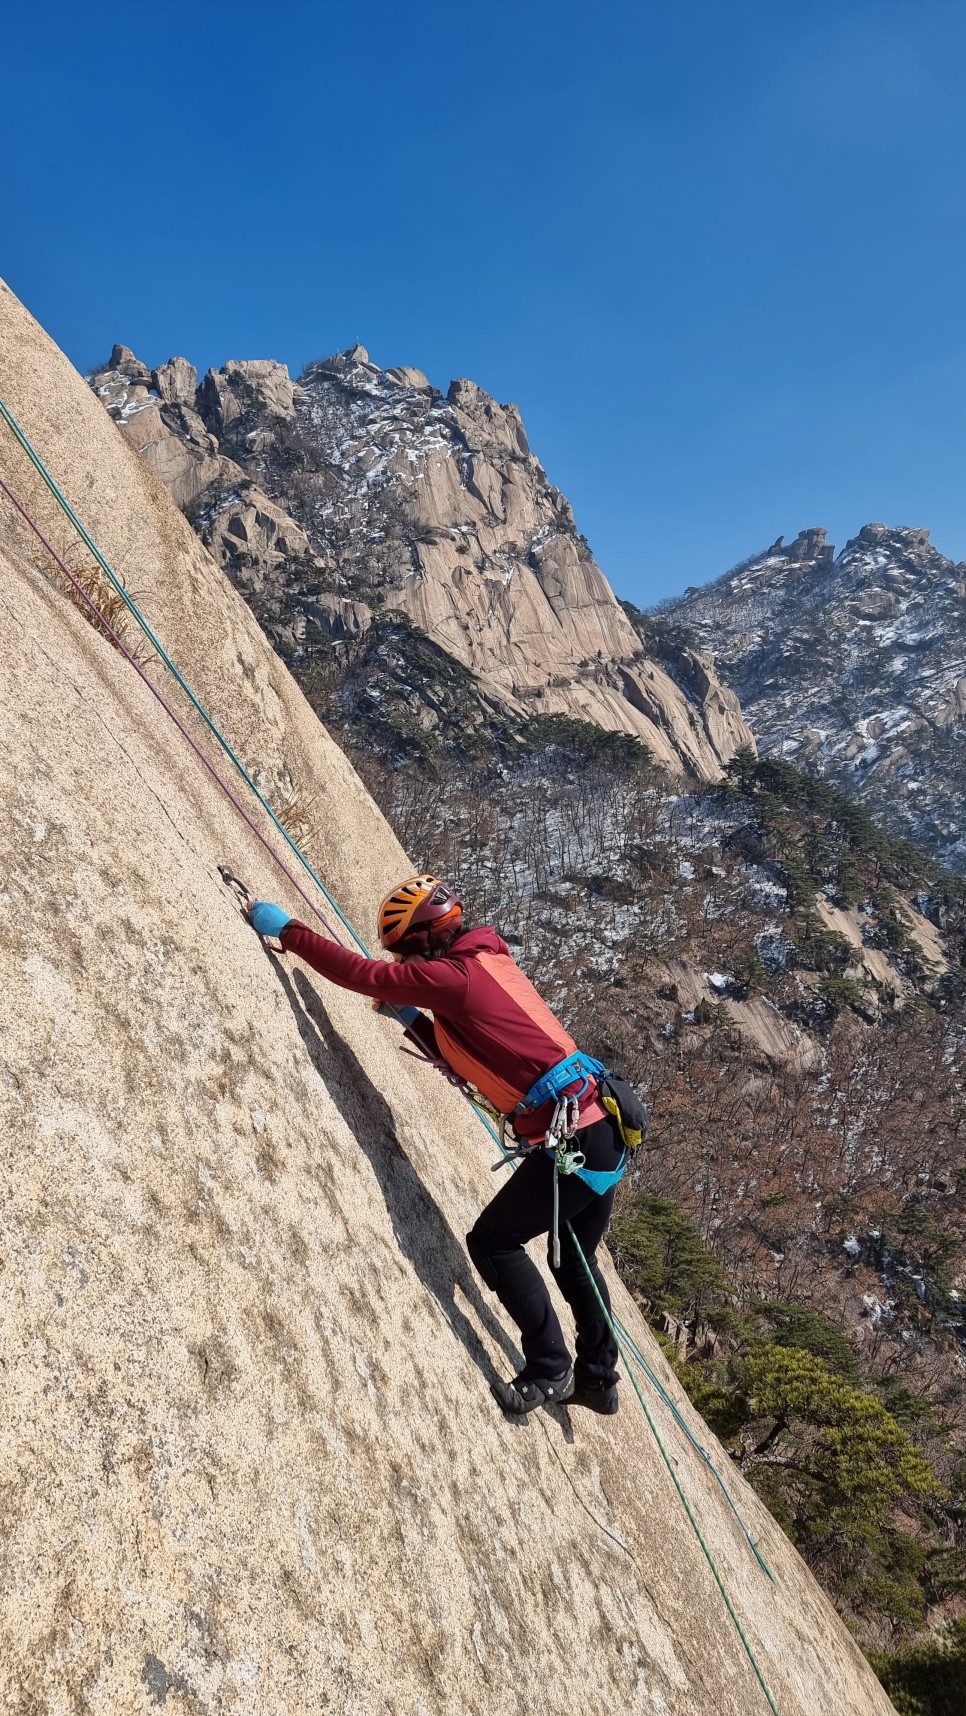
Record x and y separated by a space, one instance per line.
492 1030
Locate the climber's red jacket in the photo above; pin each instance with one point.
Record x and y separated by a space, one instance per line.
491 1026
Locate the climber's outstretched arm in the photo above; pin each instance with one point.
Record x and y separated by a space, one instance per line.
440 985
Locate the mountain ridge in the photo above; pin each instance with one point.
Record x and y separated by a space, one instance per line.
852 666
358 494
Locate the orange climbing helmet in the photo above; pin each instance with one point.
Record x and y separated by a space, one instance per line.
421 916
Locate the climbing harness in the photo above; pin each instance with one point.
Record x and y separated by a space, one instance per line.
561 1134
570 1159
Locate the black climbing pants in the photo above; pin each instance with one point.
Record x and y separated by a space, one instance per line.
522 1209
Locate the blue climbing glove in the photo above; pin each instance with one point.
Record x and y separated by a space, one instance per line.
267 920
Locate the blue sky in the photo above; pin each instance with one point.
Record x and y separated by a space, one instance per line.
714 251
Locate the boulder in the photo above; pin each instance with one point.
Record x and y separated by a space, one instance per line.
338 617
483 422
122 358
952 713
176 381
260 387
402 376
809 544
249 530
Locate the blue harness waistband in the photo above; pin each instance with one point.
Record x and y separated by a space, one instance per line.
551 1085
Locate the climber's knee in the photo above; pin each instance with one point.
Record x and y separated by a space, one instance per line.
480 1251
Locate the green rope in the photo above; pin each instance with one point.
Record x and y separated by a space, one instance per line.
677 1482
699 1448
63 502
156 644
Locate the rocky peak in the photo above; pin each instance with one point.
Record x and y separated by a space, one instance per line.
852 667
161 413
485 423
176 382
810 546
354 368
359 491
122 358
249 389
404 376
901 539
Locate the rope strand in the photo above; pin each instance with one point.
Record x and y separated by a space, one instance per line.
119 644
698 1447
677 1482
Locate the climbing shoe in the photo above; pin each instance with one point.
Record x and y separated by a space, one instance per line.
596 1396
525 1394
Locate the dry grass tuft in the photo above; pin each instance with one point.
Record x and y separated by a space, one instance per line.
112 610
300 817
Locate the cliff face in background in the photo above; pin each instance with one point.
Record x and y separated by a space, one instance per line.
245 1360
358 495
853 666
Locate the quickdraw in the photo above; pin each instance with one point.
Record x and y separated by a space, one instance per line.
567 1159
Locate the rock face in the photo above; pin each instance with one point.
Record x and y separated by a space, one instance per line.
852 667
434 508
254 1467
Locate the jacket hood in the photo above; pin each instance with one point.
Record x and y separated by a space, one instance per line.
472 941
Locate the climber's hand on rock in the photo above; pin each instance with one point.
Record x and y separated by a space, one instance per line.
266 919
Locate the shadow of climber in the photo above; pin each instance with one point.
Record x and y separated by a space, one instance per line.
419 1226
